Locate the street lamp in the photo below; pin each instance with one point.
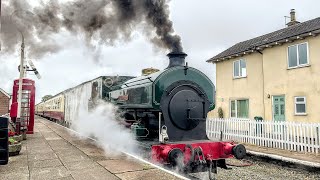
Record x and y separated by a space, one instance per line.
22 72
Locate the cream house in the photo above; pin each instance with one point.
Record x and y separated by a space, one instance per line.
275 76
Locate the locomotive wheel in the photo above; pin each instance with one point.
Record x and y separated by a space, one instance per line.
239 151
176 158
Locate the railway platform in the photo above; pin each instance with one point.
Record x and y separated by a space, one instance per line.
306 160
54 153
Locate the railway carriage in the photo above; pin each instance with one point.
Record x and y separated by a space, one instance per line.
63 108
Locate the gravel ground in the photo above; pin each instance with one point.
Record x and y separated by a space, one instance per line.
261 170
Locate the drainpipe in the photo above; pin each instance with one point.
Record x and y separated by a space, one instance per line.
263 90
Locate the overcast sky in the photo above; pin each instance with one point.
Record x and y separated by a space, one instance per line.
206 27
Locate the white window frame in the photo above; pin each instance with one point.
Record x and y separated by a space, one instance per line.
236 108
298 65
240 75
295 105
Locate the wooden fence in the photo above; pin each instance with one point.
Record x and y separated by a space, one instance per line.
293 136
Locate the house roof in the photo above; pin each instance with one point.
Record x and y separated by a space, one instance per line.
288 34
5 93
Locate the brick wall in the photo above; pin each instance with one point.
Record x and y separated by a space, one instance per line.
4 104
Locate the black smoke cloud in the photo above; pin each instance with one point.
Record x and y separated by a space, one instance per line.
102 21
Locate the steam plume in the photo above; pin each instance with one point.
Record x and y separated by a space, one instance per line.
99 21
101 124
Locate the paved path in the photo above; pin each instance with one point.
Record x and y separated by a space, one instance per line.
309 158
53 153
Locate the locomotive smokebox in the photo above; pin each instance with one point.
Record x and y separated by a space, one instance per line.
176 59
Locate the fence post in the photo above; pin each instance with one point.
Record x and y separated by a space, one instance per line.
317 139
296 136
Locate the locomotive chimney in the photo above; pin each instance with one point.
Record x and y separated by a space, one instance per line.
176 59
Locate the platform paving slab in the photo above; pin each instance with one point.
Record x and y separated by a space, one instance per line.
120 166
49 173
95 173
79 165
54 152
44 163
66 178
42 156
294 156
14 175
16 164
146 174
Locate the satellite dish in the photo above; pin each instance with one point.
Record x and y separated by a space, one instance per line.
34 69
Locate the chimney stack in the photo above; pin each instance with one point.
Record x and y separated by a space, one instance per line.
176 59
293 19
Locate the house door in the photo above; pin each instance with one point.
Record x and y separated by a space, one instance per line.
279 108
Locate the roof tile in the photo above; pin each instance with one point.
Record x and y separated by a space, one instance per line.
282 34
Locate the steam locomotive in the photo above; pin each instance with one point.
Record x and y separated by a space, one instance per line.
182 95
169 105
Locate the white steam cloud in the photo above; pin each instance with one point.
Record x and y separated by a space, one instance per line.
101 123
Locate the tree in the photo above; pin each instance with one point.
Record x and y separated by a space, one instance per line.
46 97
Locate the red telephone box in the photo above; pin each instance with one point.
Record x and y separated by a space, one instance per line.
27 105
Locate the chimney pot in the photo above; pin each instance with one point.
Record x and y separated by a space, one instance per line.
293 19
293 15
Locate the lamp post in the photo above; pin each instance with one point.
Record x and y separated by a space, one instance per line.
22 74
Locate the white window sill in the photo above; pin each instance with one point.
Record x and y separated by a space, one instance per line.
300 66
301 114
239 77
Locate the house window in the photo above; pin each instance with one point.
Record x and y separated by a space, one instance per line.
239 108
300 105
239 68
298 55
